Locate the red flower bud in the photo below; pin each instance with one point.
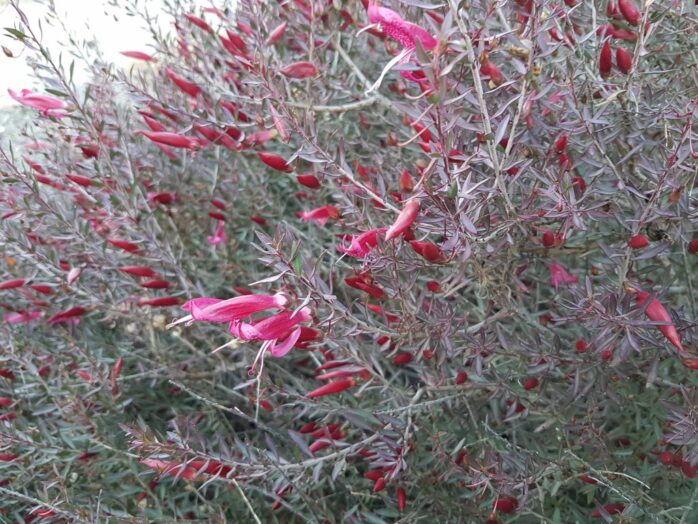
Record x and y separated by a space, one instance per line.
308 180
332 388
299 70
624 61
505 505
139 271
605 60
531 383
629 12
638 241
274 161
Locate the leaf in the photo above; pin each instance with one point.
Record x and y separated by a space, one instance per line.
16 33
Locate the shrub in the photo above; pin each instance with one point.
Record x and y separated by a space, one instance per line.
454 254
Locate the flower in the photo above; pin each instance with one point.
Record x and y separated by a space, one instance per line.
320 215
559 275
279 332
217 310
405 33
404 220
362 244
219 236
47 105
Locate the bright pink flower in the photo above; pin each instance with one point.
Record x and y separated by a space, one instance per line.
362 244
22 317
279 332
559 275
47 105
404 32
319 215
404 220
219 236
208 309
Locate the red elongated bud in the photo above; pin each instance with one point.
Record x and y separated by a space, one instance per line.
163 197
548 239
116 370
404 220
580 184
401 498
153 124
308 180
427 250
276 34
570 3
488 69
587 479
624 61
184 85
218 203
155 283
138 55
434 286
530 383
461 378
216 215
319 444
406 184
379 484
657 312
7 374
581 346
198 22
5 402
606 60
423 132
364 284
80 180
12 284
123 244
67 314
614 508
629 11
8 457
666 458
299 70
638 241
139 271
693 246
332 388
159 302
561 144
42 288
506 505
308 427
171 139
402 358
274 161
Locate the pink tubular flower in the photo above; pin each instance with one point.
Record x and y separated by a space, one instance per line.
657 312
319 215
559 275
219 236
208 309
362 244
47 105
279 332
404 220
404 32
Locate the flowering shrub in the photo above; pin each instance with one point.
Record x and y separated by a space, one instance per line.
349 262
